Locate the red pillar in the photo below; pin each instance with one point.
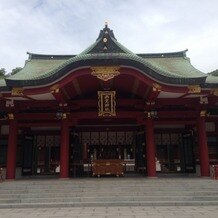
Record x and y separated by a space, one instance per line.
150 147
12 150
202 146
64 151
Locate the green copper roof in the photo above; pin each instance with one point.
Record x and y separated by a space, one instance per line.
212 79
37 68
178 67
2 82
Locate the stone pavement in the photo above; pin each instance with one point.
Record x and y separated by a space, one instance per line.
113 212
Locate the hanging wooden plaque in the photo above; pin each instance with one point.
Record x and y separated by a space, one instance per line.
106 103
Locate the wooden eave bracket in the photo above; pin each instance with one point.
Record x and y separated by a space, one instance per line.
154 92
204 113
214 91
17 91
8 116
58 95
194 89
156 87
54 88
11 116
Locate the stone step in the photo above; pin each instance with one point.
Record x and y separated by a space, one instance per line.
115 186
112 191
109 204
108 192
108 199
70 193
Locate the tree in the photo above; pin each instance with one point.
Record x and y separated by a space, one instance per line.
2 72
214 73
15 70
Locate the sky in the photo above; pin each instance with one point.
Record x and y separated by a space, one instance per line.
143 26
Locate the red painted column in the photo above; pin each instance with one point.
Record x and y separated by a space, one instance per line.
202 145
12 149
150 147
64 150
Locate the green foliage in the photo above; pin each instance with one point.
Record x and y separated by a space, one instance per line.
15 70
2 72
214 73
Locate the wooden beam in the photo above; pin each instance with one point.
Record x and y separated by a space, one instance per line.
120 114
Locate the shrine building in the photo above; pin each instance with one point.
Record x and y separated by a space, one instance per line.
108 111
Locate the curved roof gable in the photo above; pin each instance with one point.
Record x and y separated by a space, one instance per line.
106 43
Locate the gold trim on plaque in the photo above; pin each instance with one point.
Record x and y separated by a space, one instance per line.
106 103
105 73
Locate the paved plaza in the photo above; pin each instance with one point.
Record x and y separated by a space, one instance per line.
113 212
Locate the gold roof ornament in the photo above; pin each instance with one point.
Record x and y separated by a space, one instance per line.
105 73
194 89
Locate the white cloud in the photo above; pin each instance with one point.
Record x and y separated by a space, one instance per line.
69 26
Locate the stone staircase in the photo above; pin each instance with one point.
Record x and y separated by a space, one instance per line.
109 191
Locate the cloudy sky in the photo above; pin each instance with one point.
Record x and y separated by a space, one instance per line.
143 26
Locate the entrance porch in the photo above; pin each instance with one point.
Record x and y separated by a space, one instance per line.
39 149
